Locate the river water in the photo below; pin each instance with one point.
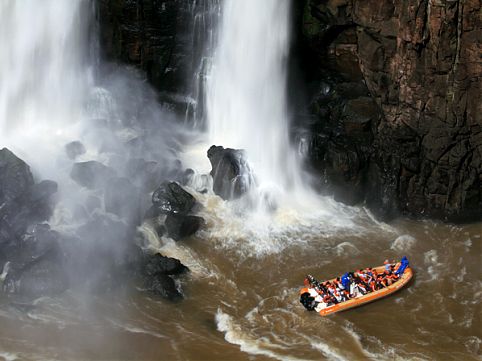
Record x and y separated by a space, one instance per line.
246 265
240 306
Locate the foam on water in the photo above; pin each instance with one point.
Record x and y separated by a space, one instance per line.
233 333
8 356
403 243
171 248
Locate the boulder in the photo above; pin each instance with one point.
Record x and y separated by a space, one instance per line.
180 226
74 149
172 198
158 264
22 202
35 265
15 176
163 285
157 271
231 174
91 174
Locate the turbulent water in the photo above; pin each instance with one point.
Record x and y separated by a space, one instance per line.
239 305
246 268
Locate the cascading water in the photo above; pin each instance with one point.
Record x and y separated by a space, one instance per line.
247 107
246 92
44 77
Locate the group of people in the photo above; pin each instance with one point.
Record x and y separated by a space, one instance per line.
351 285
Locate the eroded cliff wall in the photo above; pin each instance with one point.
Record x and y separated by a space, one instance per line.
420 62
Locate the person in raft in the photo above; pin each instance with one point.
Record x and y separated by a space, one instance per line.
350 285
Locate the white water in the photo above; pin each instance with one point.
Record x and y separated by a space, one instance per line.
246 92
247 108
43 77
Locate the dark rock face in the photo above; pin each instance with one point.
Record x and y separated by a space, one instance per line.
422 153
165 39
22 202
15 176
164 286
156 273
181 226
231 174
157 264
174 205
91 174
172 198
102 254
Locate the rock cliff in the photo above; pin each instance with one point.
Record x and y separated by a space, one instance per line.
165 39
418 148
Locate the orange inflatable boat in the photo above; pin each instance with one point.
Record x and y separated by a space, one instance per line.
369 297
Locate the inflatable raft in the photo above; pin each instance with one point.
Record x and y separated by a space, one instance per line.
369 297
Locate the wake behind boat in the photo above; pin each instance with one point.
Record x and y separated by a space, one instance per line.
354 288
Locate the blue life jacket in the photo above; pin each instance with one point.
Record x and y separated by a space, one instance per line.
403 266
345 281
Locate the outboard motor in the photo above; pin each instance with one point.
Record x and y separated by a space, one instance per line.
308 301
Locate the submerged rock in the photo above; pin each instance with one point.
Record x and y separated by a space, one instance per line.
231 174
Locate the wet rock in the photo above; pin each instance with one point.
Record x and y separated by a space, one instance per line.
35 266
231 174
163 39
91 174
180 226
164 286
420 67
172 198
22 202
15 176
159 264
74 149
156 274
39 202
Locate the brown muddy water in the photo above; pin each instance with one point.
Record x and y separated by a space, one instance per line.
242 302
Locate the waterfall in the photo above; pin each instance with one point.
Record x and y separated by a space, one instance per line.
43 72
246 93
